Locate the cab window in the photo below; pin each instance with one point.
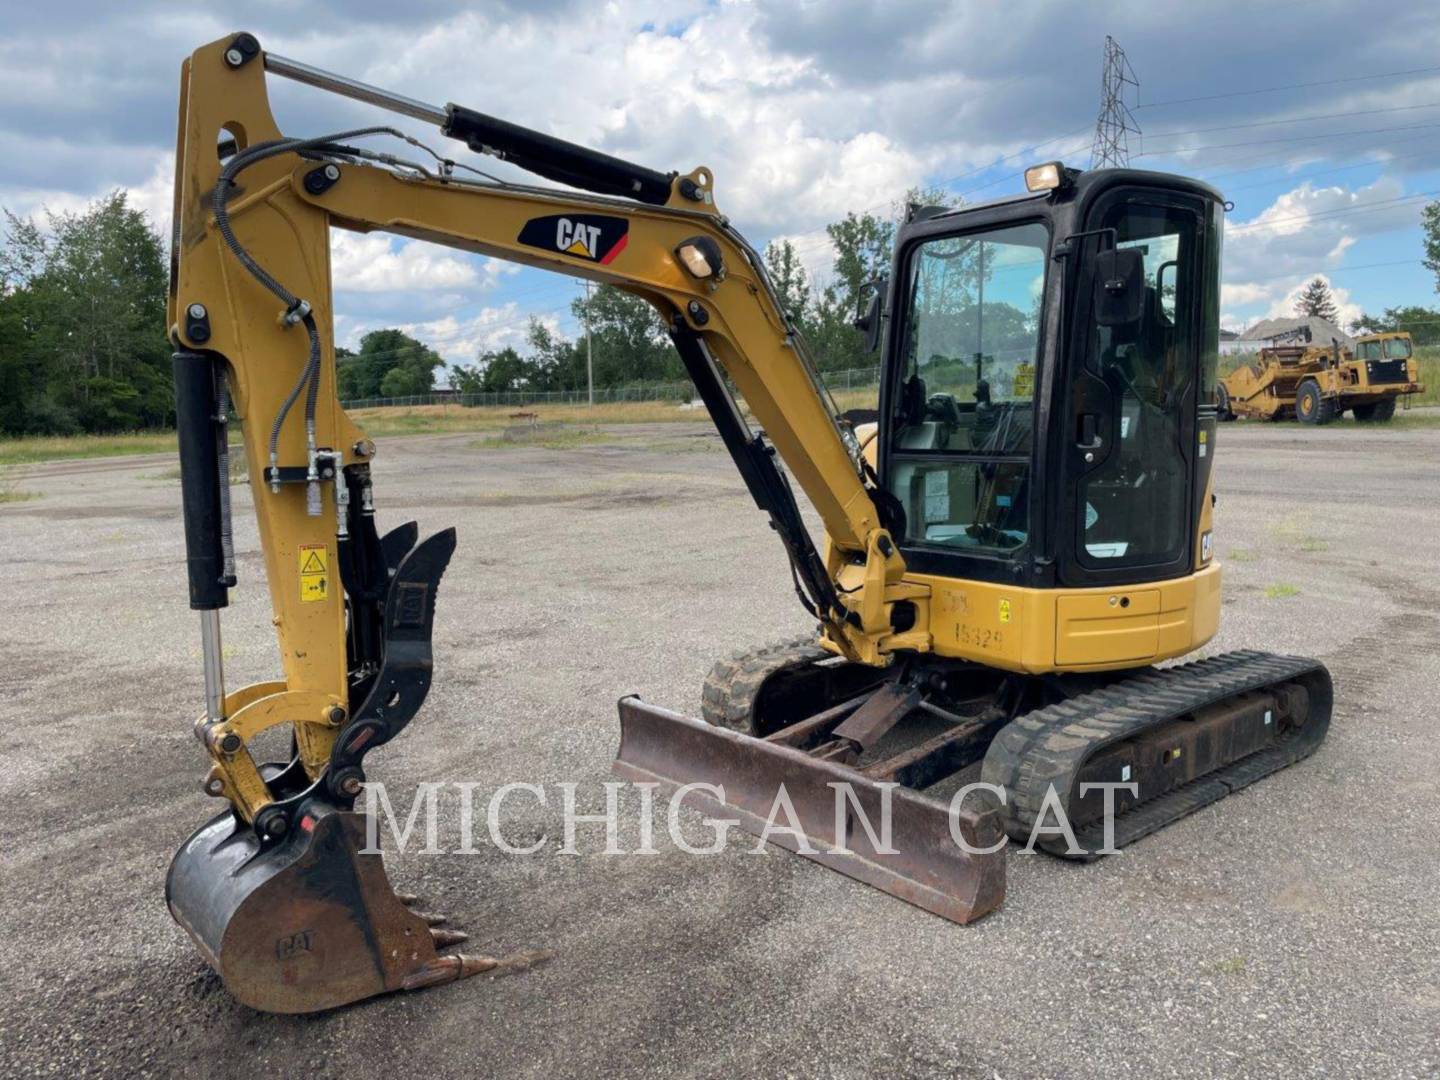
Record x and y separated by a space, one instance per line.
1397 348
963 411
1134 504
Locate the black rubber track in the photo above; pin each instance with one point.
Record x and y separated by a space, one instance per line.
734 683
1051 745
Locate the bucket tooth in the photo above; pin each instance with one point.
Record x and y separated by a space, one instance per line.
445 969
924 862
443 939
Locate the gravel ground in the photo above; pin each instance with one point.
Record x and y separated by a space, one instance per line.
1289 931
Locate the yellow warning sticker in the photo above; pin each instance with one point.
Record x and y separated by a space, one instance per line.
1004 610
314 573
1024 385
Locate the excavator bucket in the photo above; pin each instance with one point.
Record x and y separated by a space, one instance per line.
308 924
924 861
297 915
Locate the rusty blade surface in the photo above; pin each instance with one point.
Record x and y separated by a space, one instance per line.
926 866
309 924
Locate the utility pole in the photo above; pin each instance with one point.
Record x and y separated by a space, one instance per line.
1111 148
589 352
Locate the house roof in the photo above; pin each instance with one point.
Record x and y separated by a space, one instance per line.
1321 330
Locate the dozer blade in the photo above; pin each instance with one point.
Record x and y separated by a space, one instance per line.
308 924
924 863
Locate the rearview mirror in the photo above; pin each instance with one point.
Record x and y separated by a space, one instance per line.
1119 287
871 322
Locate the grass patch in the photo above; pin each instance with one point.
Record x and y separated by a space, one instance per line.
438 419
1293 531
417 420
1406 421
1240 555
1291 528
1281 590
864 397
10 494
29 450
1235 965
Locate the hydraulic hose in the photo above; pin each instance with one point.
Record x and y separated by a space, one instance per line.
296 309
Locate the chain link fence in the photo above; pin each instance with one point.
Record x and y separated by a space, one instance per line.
856 379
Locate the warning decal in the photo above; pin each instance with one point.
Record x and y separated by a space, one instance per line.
1023 387
314 573
1004 610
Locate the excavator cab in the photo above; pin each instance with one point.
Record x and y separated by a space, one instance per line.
1046 404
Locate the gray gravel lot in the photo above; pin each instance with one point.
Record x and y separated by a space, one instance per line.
1291 930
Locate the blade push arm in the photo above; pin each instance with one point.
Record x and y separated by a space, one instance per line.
250 292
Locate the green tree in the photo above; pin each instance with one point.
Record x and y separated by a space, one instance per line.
390 363
628 340
1422 323
1430 223
862 245
555 362
787 275
1315 300
497 370
346 377
864 250
83 343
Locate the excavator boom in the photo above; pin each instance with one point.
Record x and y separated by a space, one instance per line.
274 890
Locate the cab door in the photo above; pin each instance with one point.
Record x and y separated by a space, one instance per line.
1129 455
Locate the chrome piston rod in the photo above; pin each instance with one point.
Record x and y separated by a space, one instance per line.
214 666
352 88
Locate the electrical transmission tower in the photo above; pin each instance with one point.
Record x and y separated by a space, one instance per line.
1116 122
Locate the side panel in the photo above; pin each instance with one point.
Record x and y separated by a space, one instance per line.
1095 629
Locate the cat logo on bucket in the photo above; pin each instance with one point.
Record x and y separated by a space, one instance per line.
595 238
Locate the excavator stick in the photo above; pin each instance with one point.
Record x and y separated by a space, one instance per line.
949 860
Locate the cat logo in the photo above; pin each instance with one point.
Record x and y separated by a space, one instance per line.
593 237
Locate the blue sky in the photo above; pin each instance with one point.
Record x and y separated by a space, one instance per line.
1320 120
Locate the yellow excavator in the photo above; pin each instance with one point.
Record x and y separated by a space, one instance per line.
1008 550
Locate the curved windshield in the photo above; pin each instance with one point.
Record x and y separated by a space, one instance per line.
964 418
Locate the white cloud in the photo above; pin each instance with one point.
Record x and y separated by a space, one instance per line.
786 155
1298 237
1309 228
804 111
155 196
375 262
1243 293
